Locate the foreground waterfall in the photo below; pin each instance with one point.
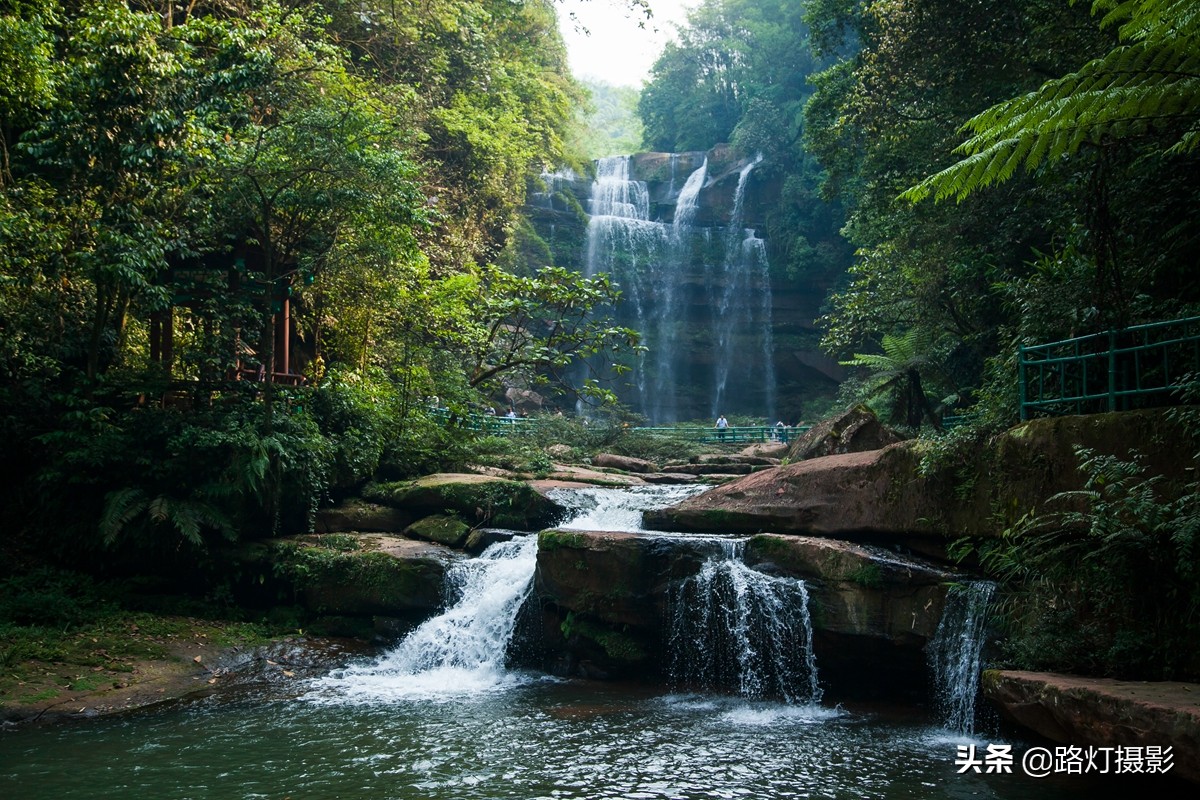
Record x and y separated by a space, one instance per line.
732 627
954 654
464 647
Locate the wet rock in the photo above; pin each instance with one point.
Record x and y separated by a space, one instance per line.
1102 712
860 590
483 538
607 599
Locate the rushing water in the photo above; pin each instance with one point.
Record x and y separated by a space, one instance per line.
955 653
618 509
734 627
657 264
440 716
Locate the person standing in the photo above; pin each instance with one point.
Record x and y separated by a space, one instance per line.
722 424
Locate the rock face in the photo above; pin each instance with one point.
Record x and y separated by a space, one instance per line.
1103 713
840 496
479 499
855 430
356 583
882 493
606 598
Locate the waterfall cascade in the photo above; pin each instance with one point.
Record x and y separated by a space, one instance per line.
684 287
955 651
465 647
732 627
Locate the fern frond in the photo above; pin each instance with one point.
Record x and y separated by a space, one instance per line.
120 508
1151 83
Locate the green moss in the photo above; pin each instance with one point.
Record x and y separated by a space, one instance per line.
549 541
616 645
869 576
447 530
502 503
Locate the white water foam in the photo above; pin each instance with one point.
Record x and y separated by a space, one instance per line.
618 509
461 651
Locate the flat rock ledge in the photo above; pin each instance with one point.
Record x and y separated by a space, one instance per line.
1103 712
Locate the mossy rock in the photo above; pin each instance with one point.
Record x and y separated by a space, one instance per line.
384 575
619 647
481 499
447 530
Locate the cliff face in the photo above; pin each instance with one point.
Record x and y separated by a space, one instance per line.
727 331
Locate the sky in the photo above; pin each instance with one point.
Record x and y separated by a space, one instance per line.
618 51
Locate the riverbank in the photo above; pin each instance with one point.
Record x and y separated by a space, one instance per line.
131 661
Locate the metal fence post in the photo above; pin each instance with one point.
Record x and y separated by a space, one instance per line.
1021 379
1112 370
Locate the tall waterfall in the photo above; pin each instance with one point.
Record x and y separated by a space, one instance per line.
954 654
464 648
684 294
743 276
622 241
732 627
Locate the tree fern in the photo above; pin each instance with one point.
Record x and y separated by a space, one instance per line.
1149 84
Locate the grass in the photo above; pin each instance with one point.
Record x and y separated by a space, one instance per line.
61 631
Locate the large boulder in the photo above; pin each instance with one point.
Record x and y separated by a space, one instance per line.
1102 712
873 611
607 599
853 431
604 597
886 494
481 499
876 492
346 577
626 463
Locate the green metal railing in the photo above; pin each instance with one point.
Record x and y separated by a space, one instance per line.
1138 367
742 434
745 434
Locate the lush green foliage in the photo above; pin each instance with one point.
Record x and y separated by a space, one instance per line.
740 73
611 126
1147 86
1109 585
203 206
1077 246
